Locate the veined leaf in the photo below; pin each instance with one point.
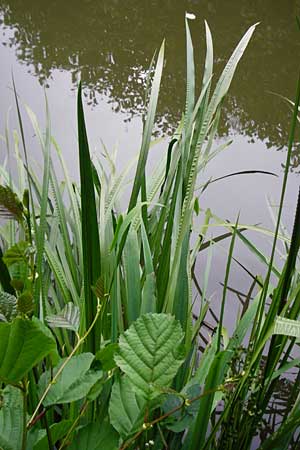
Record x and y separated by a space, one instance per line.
23 343
68 318
11 419
74 382
8 307
287 327
17 253
151 353
126 409
10 205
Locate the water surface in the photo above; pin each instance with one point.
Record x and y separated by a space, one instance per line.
110 43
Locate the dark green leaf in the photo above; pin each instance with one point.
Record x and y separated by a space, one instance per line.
96 436
23 343
106 357
90 234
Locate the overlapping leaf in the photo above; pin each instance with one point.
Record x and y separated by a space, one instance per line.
68 318
74 383
126 409
151 353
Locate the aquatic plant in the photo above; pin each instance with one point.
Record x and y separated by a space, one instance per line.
99 345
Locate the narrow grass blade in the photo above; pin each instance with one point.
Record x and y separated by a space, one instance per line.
90 234
140 171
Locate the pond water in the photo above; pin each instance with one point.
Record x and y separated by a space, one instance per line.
110 43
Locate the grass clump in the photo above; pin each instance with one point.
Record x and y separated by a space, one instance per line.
99 345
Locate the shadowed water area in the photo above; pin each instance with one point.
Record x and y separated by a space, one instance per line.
110 44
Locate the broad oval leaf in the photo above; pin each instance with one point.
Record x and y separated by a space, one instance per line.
74 382
23 343
151 353
126 409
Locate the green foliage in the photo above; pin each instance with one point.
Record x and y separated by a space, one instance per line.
68 318
23 344
10 206
90 233
117 287
96 436
126 408
11 418
74 383
20 252
8 307
106 356
57 431
151 353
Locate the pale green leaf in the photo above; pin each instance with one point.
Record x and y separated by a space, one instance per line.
68 318
287 327
74 382
151 353
8 307
11 419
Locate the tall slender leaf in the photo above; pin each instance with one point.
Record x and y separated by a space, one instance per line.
90 233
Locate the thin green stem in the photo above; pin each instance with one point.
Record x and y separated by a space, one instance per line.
83 409
58 373
186 402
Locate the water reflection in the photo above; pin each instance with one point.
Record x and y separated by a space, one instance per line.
111 43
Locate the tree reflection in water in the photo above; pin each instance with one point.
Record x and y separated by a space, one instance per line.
111 43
